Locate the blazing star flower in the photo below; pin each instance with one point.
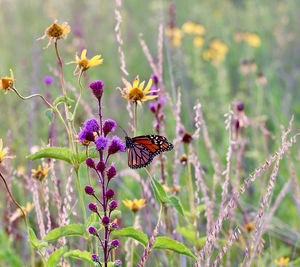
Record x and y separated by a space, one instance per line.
282 261
7 83
4 152
40 173
97 88
84 64
109 126
56 32
85 136
91 125
135 92
116 145
135 205
101 143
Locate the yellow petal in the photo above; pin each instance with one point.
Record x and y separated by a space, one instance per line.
83 54
148 86
142 85
136 82
11 74
127 84
149 97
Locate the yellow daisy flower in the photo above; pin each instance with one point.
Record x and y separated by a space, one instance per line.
135 92
252 39
135 205
7 83
198 41
4 152
56 32
282 261
40 173
83 63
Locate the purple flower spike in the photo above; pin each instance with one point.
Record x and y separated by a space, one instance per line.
90 163
95 257
105 220
85 135
93 207
97 88
113 205
109 193
100 166
114 243
92 230
109 126
89 190
101 143
91 125
48 80
116 145
111 172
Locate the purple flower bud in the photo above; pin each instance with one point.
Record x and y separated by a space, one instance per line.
113 226
100 166
92 230
152 107
161 102
95 257
154 77
101 143
48 80
162 116
113 205
240 106
116 144
236 124
105 220
114 243
85 135
90 163
109 194
93 207
89 190
117 263
97 88
153 90
109 126
91 125
111 172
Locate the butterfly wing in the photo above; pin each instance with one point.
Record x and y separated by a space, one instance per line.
142 149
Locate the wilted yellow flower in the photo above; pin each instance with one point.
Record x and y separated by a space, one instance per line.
198 41
135 205
282 261
18 213
56 32
135 92
174 189
84 64
40 173
249 226
7 82
252 39
4 152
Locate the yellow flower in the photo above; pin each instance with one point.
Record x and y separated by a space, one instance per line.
249 226
174 189
282 261
252 39
56 32
7 82
18 213
175 35
84 63
216 52
198 41
193 28
4 152
40 173
21 170
199 29
135 92
135 205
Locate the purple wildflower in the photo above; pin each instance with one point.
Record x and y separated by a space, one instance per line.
109 126
114 243
95 257
113 226
240 106
109 193
97 88
85 135
48 80
117 263
152 107
105 220
93 207
91 125
92 230
89 190
100 166
116 145
113 205
111 172
154 77
101 143
90 163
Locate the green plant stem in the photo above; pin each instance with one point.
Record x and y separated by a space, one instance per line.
135 118
191 189
79 97
132 244
88 171
149 174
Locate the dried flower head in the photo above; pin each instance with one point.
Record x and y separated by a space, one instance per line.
135 92
135 205
183 159
4 152
83 63
187 138
249 226
56 32
40 173
7 82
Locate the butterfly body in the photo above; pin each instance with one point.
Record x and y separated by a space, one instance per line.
142 149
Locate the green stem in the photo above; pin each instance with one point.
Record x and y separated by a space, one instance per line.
80 94
191 189
132 244
135 118
149 174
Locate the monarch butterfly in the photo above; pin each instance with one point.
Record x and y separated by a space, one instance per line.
142 149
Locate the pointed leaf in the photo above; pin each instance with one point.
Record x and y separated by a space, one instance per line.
133 233
50 115
61 153
55 256
66 230
63 99
33 239
164 242
191 235
175 202
159 191
81 255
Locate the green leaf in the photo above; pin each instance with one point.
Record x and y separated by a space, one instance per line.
50 115
191 235
133 233
66 230
63 99
175 202
164 242
55 256
33 239
159 191
81 156
81 255
61 153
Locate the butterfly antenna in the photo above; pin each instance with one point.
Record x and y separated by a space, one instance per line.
123 130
